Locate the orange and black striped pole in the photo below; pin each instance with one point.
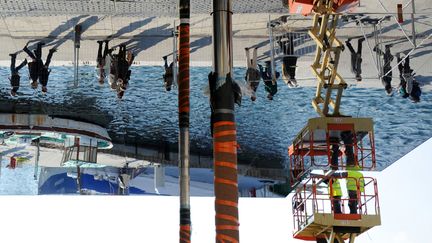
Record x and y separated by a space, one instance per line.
184 107
223 126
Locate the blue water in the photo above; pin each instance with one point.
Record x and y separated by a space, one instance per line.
148 114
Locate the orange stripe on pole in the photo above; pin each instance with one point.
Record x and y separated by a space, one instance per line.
227 227
226 203
223 123
225 181
226 164
228 218
226 147
185 227
224 133
226 237
185 240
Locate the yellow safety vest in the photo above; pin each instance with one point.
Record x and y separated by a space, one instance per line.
337 191
353 178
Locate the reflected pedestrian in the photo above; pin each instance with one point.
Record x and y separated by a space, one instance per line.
15 77
102 61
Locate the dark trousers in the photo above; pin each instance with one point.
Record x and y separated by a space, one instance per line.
122 51
101 56
356 57
48 60
37 55
353 203
15 78
13 69
287 46
334 163
290 63
347 138
337 204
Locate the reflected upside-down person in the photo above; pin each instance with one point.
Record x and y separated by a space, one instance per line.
386 75
113 75
45 71
252 76
15 77
124 73
168 76
36 64
408 86
102 61
269 83
289 61
356 58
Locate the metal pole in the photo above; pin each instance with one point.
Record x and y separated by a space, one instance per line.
77 68
223 125
174 71
75 65
184 109
37 159
413 23
78 179
77 44
272 51
377 55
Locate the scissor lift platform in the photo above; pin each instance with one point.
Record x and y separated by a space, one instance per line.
315 217
312 148
344 224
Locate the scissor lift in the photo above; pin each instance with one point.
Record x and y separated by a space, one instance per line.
330 142
315 219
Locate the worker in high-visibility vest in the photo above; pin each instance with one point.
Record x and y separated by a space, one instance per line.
335 192
355 186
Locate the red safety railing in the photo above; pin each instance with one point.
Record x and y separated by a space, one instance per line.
307 154
315 196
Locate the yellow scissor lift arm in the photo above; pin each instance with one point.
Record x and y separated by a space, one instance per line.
326 61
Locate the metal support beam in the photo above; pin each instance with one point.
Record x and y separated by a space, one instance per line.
223 125
175 57
184 110
273 66
78 179
36 168
413 23
77 44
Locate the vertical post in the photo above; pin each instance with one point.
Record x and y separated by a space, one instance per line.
174 71
379 62
272 50
78 179
223 125
77 44
413 24
75 66
184 108
37 159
